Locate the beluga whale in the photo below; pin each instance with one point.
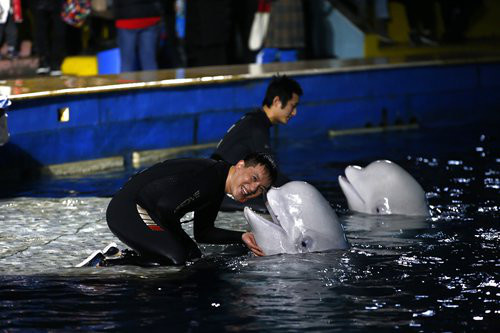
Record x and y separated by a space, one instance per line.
384 188
302 221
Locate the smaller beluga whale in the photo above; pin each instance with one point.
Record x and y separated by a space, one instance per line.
383 188
302 221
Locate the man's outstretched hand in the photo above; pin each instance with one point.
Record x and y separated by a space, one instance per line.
249 240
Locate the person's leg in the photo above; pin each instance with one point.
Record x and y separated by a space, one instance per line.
148 47
2 29
143 234
41 35
11 36
127 43
58 45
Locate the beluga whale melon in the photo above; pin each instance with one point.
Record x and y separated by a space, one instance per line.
302 221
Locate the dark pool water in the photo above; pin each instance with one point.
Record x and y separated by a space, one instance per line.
439 274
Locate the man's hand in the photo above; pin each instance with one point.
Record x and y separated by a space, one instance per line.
250 242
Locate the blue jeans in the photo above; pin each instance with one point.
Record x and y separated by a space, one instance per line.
138 48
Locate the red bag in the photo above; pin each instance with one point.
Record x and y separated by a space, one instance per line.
17 11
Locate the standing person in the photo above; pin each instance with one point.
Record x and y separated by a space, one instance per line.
285 37
138 28
10 15
50 35
208 32
251 132
145 213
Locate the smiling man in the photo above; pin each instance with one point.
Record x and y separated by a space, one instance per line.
145 214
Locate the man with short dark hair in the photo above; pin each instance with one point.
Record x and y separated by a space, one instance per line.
251 132
145 214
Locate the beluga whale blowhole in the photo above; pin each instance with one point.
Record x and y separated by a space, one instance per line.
302 221
384 188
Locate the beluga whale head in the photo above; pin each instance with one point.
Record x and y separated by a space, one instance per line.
385 188
302 221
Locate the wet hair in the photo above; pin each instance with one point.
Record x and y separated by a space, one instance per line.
267 160
283 87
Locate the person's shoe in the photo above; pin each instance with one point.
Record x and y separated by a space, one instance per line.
111 250
425 40
94 260
385 40
55 72
11 53
42 70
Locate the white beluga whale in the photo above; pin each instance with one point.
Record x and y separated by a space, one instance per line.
302 221
385 188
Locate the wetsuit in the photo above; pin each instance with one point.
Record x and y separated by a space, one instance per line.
249 134
145 213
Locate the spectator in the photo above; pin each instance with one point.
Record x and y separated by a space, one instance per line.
208 32
243 12
50 35
138 28
285 34
420 15
10 15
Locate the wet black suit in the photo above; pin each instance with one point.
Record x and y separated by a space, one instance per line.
167 191
249 134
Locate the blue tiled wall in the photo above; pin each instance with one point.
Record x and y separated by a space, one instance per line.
110 124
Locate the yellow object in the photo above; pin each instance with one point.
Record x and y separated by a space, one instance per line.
80 65
371 45
398 27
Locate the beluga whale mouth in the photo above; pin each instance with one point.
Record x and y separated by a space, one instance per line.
384 188
301 220
356 199
271 222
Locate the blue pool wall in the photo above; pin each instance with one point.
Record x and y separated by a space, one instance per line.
115 123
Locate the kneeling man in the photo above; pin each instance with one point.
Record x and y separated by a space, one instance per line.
145 213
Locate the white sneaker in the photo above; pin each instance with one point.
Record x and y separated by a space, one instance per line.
93 260
111 250
56 72
42 70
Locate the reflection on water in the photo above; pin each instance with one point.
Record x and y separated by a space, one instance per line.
408 274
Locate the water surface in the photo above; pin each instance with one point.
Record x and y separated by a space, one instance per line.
400 274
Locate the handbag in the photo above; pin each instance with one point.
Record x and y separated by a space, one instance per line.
75 12
260 24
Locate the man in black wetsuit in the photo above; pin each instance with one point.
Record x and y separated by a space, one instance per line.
251 132
145 213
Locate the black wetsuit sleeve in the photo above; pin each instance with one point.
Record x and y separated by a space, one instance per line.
205 231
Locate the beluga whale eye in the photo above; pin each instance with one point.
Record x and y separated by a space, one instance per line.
306 243
382 207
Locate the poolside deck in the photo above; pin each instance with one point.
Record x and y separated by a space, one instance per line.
40 87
